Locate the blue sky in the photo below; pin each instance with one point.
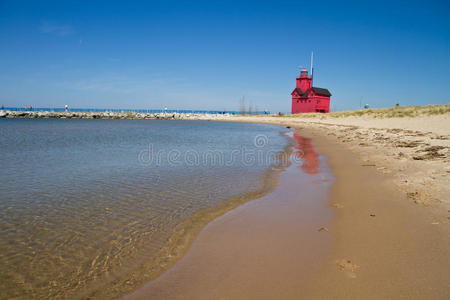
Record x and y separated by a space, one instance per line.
208 54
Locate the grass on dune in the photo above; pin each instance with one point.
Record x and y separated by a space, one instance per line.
395 112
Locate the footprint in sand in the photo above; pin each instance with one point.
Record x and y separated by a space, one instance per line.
345 265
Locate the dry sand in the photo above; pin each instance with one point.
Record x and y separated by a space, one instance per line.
390 238
386 246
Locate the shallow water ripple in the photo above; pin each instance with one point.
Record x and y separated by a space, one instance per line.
78 210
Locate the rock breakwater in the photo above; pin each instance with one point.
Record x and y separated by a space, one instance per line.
108 115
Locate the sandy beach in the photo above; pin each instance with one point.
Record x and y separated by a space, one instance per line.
267 248
385 244
389 237
382 231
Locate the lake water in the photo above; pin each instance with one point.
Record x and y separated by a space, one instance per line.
87 206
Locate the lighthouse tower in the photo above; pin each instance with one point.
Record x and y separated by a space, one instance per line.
306 98
304 81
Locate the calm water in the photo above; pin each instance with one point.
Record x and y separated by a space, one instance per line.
85 203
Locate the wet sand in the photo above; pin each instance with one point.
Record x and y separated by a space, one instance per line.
267 248
378 245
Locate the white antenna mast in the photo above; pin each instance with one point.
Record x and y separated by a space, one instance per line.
312 68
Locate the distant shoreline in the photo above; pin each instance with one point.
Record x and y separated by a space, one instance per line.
378 113
106 115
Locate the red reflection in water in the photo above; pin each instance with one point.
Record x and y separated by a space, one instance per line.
305 151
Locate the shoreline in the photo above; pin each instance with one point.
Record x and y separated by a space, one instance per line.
186 233
389 242
270 247
403 249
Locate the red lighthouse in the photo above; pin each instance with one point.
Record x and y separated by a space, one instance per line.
307 99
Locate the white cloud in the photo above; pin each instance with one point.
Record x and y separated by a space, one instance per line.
58 29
